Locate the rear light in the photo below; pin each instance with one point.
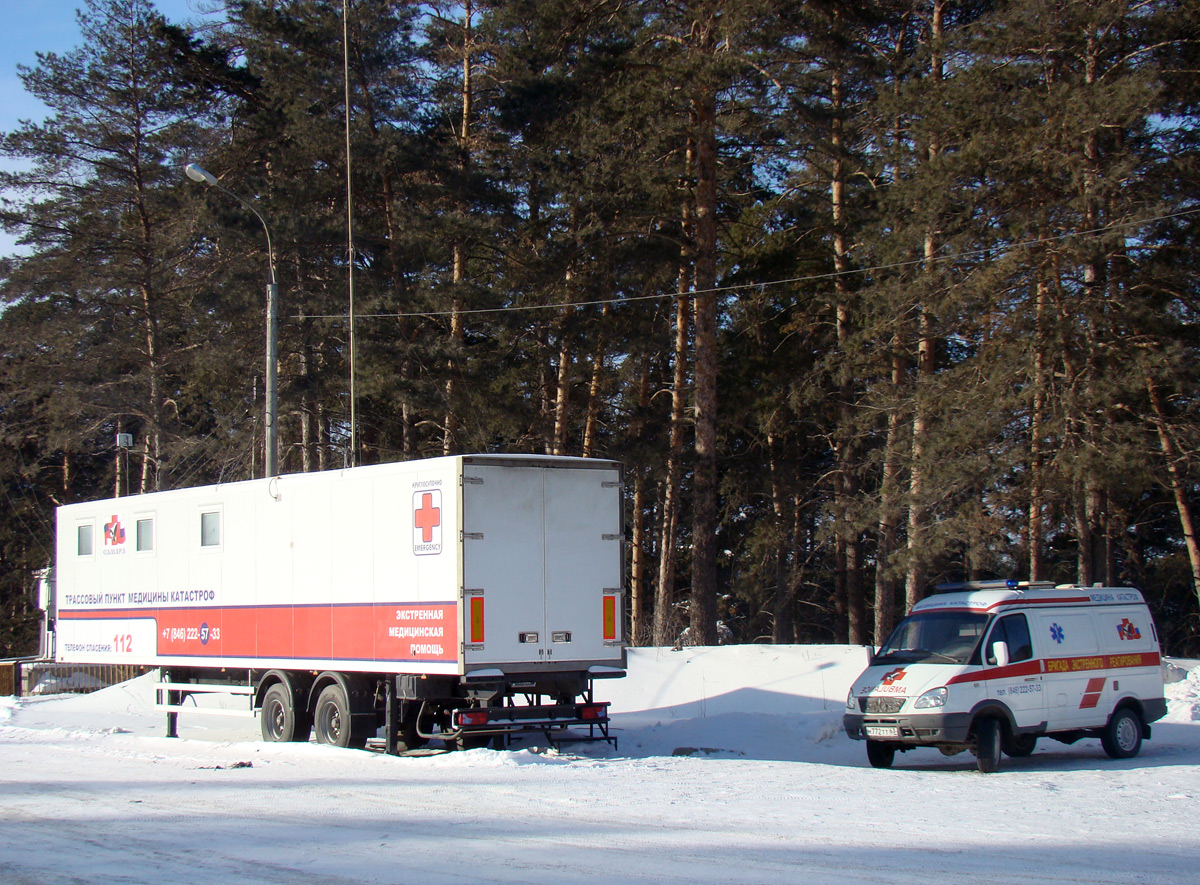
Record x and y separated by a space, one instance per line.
471 717
592 711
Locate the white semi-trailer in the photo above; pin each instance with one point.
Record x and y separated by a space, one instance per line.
463 598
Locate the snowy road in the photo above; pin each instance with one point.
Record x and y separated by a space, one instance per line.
91 792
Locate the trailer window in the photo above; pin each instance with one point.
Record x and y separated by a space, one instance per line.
83 542
210 529
145 535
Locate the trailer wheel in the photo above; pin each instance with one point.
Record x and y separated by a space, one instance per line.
1122 738
334 720
279 718
880 755
988 740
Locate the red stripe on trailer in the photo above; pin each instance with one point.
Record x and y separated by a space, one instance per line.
362 632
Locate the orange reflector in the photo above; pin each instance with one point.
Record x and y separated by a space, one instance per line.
476 619
610 617
479 717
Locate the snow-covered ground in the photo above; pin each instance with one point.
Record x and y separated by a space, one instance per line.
732 767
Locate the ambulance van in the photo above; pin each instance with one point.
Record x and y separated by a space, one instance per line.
991 667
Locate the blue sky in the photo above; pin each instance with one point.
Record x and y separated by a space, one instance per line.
31 26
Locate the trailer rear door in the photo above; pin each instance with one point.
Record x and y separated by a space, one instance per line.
542 564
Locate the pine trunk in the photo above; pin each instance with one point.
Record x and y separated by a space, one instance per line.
704 513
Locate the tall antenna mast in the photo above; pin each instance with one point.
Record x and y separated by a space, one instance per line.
349 227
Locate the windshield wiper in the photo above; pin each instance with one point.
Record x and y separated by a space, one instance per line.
913 655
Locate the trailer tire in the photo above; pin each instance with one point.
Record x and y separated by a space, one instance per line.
988 742
1122 738
880 755
335 721
279 719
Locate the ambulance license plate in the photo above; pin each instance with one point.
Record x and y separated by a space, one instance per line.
881 731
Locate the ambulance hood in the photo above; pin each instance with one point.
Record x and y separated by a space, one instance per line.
904 680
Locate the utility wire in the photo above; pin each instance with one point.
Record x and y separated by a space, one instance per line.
809 278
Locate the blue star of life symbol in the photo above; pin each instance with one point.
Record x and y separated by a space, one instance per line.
1056 633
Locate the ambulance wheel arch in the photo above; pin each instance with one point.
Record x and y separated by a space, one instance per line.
993 709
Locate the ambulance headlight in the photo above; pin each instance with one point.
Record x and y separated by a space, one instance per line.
850 704
933 698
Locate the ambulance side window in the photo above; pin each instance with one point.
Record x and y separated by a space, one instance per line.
1014 630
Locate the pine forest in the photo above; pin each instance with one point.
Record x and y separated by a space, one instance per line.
866 296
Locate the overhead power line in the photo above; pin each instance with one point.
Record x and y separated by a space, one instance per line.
719 290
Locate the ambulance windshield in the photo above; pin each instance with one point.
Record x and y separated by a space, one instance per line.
936 637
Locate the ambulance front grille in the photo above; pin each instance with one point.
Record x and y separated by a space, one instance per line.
881 705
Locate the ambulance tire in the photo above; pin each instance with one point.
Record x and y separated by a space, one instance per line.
1122 738
335 722
988 741
880 755
1020 745
279 718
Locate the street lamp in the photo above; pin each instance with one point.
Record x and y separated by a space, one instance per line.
271 377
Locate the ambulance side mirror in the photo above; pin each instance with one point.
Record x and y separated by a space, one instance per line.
1000 651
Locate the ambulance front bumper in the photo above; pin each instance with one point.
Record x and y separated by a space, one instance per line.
917 730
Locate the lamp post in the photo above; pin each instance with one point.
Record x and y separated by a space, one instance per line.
270 375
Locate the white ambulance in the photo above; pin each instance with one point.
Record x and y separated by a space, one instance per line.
992 666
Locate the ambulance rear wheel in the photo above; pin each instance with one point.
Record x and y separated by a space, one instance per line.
1122 738
880 755
987 745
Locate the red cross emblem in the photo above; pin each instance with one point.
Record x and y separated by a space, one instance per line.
427 522
114 532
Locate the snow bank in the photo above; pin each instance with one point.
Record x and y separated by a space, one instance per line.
732 767
1183 698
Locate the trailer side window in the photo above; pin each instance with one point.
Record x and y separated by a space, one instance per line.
210 529
83 543
145 535
1013 630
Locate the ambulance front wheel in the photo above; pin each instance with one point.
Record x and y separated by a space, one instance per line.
988 740
880 755
1122 738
